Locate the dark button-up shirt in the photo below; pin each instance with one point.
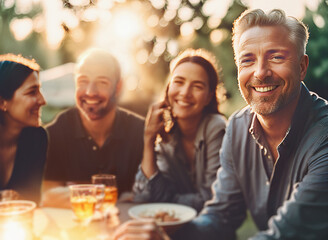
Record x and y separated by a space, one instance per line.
74 156
288 199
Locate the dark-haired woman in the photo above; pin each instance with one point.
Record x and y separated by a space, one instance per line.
183 165
23 143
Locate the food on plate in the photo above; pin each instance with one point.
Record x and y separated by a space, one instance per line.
161 216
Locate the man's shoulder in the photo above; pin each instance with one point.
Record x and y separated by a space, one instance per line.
320 106
239 124
127 116
64 119
318 117
241 116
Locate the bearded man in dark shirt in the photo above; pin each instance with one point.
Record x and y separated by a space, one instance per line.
94 137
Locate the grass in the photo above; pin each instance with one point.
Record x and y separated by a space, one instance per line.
247 229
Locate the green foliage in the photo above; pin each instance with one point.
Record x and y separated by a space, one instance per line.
34 46
316 78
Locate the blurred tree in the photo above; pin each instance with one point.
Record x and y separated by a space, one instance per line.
317 21
19 34
169 27
194 24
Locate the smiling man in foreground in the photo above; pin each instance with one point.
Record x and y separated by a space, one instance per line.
96 136
274 156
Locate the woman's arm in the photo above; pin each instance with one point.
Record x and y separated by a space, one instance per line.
154 125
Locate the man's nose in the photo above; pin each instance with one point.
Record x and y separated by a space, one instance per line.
262 70
91 89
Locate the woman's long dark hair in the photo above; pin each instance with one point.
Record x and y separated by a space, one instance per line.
14 69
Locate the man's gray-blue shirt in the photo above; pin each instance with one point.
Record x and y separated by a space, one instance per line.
288 199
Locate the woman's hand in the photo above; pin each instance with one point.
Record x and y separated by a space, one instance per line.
154 122
140 230
154 125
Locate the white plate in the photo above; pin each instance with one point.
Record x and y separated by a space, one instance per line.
182 212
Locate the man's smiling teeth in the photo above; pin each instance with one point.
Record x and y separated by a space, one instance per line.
265 89
91 101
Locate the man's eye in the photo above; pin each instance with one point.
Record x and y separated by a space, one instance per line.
246 61
278 57
104 82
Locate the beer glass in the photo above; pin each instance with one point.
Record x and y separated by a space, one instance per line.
109 180
83 201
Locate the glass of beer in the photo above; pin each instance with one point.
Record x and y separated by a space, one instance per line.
109 180
100 195
83 201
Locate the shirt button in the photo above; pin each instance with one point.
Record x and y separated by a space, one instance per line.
94 148
265 151
267 183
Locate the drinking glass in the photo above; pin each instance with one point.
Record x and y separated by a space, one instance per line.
16 219
100 196
83 201
109 180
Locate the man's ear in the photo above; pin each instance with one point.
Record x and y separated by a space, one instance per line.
3 104
304 66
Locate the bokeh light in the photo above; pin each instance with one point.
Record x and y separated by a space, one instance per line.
79 2
21 28
158 4
185 13
152 20
319 21
23 6
90 14
187 29
126 24
142 56
54 31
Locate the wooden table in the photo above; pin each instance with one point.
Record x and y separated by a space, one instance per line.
59 224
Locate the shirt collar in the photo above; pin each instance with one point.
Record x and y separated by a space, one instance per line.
117 132
200 136
174 138
79 131
298 121
176 135
255 129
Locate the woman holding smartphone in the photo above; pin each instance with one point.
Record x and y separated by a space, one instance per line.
23 143
181 167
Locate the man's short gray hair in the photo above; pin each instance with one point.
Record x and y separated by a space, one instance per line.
298 32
